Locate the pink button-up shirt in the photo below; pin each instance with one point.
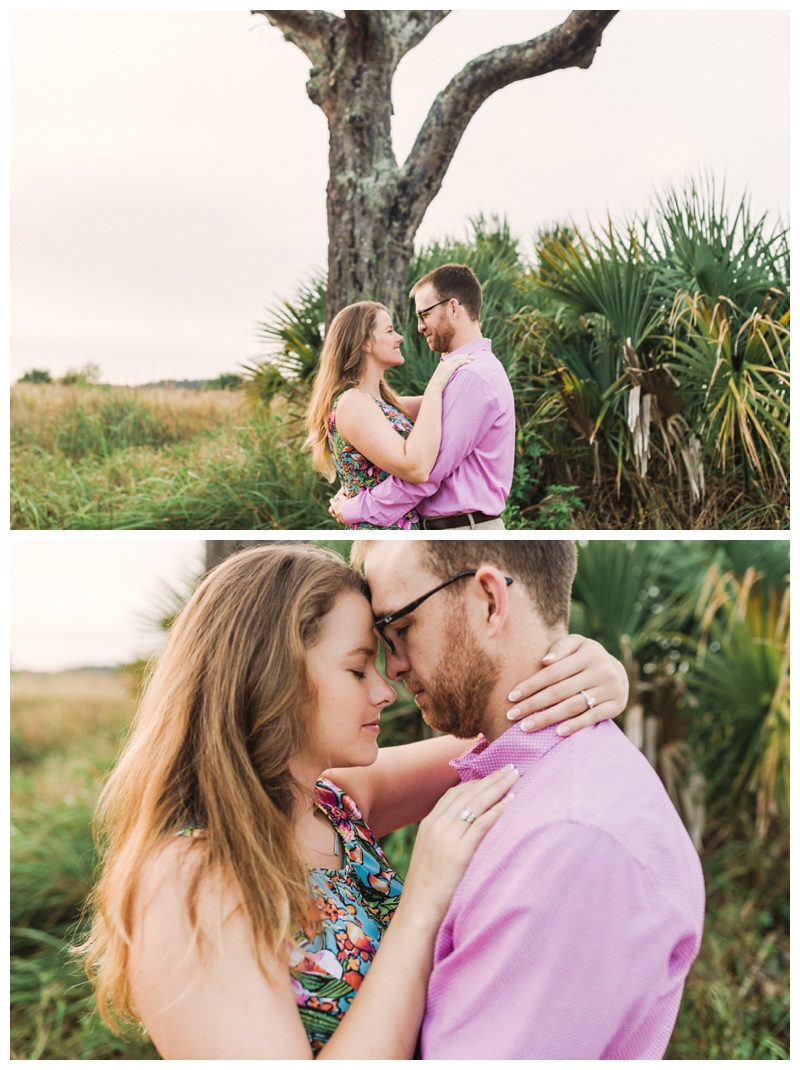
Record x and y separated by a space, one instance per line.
574 927
475 465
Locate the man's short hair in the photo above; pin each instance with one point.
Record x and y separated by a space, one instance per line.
546 569
455 280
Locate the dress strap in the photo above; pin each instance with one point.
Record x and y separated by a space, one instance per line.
378 401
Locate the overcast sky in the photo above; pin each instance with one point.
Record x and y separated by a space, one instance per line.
80 601
169 171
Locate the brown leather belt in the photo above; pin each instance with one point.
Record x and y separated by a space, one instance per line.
458 520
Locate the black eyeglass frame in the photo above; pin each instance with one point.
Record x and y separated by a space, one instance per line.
389 618
423 312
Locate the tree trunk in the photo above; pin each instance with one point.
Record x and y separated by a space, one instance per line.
368 252
375 207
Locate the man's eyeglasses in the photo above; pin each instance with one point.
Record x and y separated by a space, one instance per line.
423 312
382 623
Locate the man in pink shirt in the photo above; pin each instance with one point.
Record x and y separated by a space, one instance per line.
573 929
469 483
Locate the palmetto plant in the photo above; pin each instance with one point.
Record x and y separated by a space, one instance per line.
699 245
293 336
606 276
735 369
703 629
628 596
664 346
602 355
625 594
741 687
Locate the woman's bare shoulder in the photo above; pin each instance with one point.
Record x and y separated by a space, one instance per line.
355 400
176 870
199 985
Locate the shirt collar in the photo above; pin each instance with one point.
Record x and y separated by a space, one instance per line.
477 345
514 746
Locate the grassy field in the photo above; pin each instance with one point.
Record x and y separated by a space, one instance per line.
65 732
98 458
115 457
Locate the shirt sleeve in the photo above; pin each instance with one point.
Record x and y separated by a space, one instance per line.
564 953
469 407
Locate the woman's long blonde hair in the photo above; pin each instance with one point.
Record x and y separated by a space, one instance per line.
227 707
341 365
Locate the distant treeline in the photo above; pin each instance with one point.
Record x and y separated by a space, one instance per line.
90 376
228 381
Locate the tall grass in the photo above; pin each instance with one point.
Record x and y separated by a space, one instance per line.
736 1001
65 733
80 421
88 458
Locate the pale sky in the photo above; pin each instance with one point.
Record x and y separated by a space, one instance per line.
80 601
169 171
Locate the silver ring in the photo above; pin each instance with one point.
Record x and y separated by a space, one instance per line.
467 815
590 702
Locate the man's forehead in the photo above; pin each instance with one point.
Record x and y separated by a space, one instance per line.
425 295
395 573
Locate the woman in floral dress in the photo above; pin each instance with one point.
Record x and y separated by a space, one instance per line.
357 426
244 906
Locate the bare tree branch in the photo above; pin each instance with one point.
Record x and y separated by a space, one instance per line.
413 29
374 208
388 32
572 44
311 31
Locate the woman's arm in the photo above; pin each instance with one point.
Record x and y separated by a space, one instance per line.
363 425
210 999
405 781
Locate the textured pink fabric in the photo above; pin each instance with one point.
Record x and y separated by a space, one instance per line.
573 929
475 465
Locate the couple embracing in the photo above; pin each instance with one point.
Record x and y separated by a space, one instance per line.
246 909
442 460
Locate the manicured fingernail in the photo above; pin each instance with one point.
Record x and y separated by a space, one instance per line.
548 657
562 730
512 769
515 696
528 726
512 714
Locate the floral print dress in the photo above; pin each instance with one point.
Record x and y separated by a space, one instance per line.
356 904
358 474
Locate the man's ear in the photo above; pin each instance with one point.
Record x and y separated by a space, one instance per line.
492 585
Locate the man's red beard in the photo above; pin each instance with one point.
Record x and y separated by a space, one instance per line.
441 337
457 697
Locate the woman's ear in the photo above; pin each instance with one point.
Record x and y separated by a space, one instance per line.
491 583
